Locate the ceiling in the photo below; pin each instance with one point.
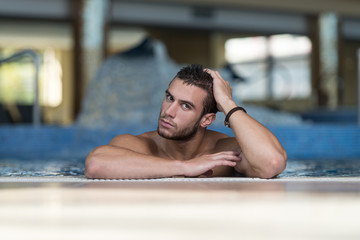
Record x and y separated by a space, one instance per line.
61 8
272 16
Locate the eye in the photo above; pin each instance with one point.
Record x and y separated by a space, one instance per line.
169 97
186 106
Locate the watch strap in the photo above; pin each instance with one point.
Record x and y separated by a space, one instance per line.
226 122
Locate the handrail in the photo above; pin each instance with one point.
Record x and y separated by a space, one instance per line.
36 60
358 91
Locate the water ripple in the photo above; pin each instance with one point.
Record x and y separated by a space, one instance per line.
76 167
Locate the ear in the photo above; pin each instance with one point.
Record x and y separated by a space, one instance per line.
207 119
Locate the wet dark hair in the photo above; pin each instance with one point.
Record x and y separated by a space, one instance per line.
195 75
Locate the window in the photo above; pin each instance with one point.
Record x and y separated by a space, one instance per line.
275 67
50 80
17 79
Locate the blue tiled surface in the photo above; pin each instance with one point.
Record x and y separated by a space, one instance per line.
320 141
301 142
21 141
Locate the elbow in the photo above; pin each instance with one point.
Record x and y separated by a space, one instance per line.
90 169
92 166
276 165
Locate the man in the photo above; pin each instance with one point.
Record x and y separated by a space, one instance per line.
182 144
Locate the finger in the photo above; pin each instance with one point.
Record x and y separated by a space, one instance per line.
213 73
228 157
235 153
226 163
209 71
218 75
232 157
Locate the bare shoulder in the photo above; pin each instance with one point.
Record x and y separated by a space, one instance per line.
223 142
144 143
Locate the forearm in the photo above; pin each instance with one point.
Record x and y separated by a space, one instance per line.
261 149
119 163
263 155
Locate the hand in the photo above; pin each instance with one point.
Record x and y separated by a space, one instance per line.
222 91
204 164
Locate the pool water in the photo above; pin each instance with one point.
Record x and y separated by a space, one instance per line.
322 168
51 167
75 167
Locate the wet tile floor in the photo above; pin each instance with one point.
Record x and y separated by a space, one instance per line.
220 208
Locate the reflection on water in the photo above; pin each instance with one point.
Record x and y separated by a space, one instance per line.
53 167
75 167
322 168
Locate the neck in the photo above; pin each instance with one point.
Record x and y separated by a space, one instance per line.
187 149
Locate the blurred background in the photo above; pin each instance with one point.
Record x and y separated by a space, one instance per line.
293 56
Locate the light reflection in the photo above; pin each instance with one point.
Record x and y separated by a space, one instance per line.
274 67
51 84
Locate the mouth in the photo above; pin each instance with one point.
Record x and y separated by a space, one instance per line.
165 123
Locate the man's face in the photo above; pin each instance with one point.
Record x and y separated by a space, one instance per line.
181 111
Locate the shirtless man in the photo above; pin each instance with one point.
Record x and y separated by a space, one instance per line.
182 144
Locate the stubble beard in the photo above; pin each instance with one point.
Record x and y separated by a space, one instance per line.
182 135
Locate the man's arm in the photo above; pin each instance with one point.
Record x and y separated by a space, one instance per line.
129 156
117 160
262 154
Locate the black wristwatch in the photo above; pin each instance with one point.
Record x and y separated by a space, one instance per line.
226 122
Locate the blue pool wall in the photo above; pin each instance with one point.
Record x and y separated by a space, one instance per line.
317 141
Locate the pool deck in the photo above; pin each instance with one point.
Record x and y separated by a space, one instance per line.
180 208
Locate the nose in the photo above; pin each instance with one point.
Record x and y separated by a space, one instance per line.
171 110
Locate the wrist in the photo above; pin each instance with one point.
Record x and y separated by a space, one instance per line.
186 168
182 169
228 106
228 115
